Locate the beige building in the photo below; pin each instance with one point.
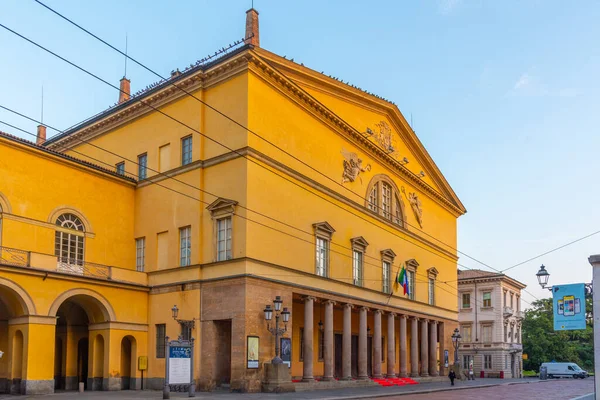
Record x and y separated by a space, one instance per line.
490 319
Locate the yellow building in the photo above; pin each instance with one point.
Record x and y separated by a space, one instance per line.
300 186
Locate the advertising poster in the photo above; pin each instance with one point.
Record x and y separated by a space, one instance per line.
569 306
446 358
286 351
179 365
252 352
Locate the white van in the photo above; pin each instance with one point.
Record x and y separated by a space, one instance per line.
566 369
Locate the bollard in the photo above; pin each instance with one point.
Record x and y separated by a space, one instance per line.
81 387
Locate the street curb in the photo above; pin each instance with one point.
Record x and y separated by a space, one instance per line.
583 397
424 391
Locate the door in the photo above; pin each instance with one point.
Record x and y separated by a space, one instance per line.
338 355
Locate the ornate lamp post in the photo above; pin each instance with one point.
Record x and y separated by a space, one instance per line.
542 277
455 343
189 324
276 330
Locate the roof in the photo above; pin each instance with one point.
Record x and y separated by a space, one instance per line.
88 164
464 275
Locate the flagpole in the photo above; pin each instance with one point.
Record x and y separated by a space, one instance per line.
392 289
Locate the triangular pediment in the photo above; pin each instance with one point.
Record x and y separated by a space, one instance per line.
324 227
432 271
359 241
373 117
389 253
222 205
412 263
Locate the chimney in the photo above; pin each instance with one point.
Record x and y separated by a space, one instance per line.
252 36
41 135
125 92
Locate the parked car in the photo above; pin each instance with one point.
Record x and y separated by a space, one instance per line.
566 369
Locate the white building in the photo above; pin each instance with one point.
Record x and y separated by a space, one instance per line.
490 319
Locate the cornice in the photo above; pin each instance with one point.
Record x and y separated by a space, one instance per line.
136 107
264 69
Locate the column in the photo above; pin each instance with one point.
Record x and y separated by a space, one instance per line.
328 342
414 347
362 344
347 343
442 341
391 342
403 343
433 370
307 375
424 348
377 344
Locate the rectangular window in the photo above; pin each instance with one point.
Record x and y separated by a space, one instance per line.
224 239
161 330
386 200
466 333
431 291
321 345
466 360
487 299
140 253
382 349
301 352
506 361
142 166
486 333
411 284
357 266
398 218
511 300
186 150
164 158
322 256
487 361
121 168
518 304
185 246
386 267
186 331
504 299
466 300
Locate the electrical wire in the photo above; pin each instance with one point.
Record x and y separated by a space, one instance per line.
221 113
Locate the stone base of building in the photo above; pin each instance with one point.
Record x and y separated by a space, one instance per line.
324 385
277 379
32 387
427 379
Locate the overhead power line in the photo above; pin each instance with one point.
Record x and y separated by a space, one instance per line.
224 115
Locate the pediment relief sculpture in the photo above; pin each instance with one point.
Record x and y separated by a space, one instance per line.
353 166
383 136
416 205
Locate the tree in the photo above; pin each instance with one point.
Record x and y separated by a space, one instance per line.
542 344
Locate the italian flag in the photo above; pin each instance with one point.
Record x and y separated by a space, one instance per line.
402 280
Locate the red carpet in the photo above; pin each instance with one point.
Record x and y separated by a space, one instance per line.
395 381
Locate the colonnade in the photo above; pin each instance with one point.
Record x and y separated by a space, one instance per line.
426 355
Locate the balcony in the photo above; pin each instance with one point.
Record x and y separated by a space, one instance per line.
508 312
38 261
516 346
520 314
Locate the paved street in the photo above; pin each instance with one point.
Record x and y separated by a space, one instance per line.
488 389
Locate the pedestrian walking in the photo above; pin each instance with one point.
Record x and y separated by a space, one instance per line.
452 376
471 374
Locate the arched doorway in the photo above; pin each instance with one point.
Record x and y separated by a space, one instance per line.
14 302
128 363
82 353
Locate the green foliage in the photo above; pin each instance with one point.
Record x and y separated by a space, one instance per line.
542 344
529 373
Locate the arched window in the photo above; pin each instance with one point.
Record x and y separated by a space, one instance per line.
0 225
384 199
68 247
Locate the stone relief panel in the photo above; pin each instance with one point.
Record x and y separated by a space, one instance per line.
415 204
353 166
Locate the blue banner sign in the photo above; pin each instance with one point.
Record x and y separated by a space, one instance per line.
180 352
569 307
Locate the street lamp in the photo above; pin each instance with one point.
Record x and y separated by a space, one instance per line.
455 343
276 330
188 324
542 277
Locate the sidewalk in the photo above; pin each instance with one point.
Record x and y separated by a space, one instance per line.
333 394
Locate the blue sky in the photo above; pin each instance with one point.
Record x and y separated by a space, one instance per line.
504 95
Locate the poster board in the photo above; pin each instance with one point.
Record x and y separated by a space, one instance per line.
252 352
569 307
180 365
286 351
